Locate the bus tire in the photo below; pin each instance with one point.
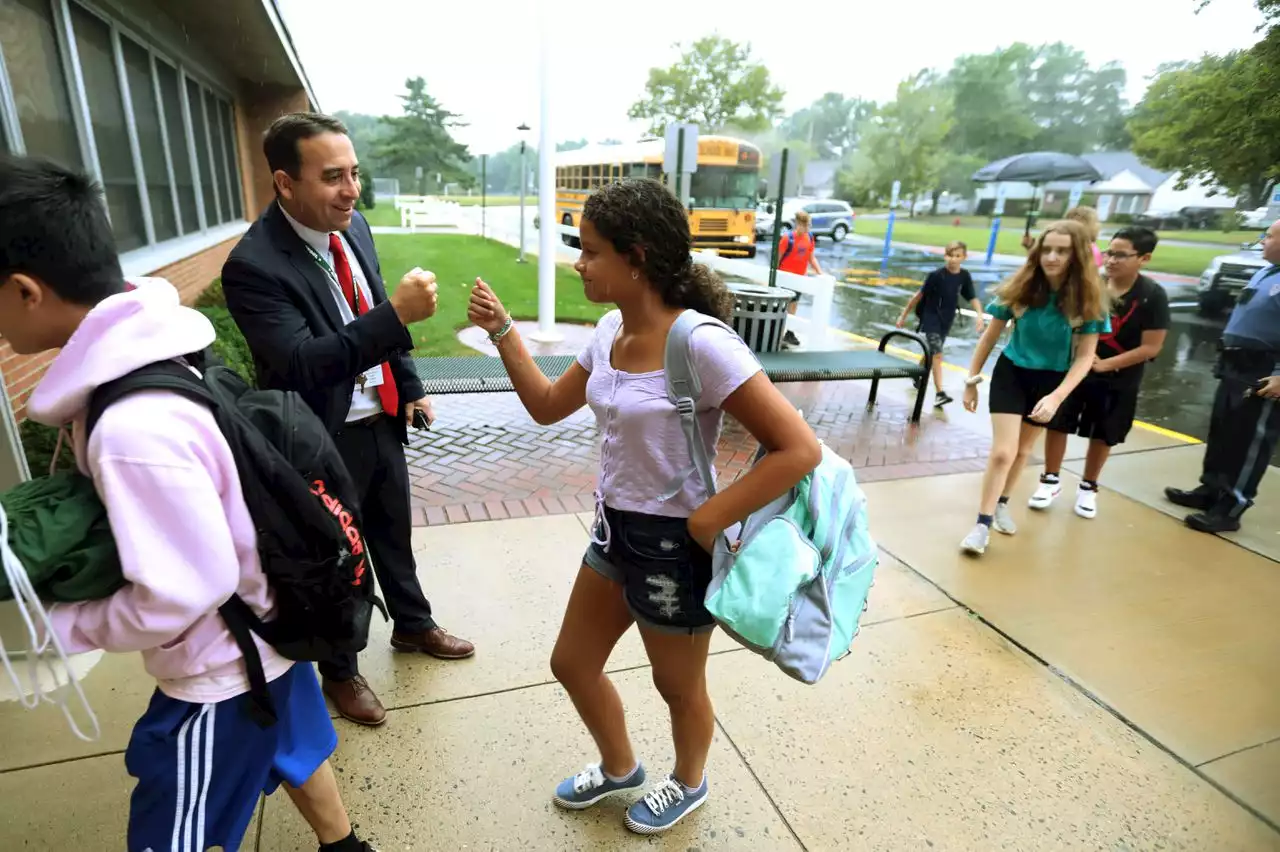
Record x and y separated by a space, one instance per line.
571 242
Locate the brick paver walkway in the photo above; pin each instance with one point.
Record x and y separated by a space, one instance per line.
487 460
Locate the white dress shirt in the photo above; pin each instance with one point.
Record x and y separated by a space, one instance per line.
364 403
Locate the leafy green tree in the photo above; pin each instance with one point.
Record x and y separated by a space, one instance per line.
1024 98
830 124
906 140
992 119
1217 120
715 83
421 137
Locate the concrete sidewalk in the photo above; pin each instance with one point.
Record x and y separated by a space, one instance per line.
1052 696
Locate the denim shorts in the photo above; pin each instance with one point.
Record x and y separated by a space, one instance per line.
664 573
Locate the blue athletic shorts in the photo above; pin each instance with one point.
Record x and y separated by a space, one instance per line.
202 767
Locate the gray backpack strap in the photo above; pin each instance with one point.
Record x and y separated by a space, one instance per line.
684 388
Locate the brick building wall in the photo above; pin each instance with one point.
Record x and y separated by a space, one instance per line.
258 106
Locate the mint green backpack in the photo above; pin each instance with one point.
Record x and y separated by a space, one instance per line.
795 588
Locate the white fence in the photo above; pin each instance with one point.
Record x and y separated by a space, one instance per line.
821 288
424 211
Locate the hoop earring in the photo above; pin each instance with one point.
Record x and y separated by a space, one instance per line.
635 275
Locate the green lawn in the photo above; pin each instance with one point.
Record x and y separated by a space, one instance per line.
1226 238
494 200
1178 260
456 260
384 214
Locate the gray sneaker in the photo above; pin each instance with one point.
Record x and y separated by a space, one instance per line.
1002 521
591 785
976 541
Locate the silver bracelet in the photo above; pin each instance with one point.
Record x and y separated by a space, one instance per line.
502 332
973 381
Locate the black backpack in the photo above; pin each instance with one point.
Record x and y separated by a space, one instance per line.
301 498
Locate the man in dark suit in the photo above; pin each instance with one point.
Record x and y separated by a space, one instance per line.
306 290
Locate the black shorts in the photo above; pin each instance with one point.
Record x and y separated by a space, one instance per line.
1099 411
1016 390
664 573
936 340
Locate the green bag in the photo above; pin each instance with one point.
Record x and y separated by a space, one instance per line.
58 530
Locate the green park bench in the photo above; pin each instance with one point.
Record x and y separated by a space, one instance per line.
481 374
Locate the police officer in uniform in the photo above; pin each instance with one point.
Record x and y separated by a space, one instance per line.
1246 409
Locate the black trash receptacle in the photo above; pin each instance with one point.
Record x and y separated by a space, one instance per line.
760 315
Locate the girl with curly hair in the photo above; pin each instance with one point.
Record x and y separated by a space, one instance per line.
649 560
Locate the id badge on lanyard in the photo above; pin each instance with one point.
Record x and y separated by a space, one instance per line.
372 377
333 276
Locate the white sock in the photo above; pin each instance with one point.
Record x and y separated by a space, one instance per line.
619 779
691 790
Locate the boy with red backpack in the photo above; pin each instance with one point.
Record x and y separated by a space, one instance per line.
212 740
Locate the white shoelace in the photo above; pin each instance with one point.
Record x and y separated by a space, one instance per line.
666 794
588 779
33 611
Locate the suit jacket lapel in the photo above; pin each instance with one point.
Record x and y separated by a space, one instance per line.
291 244
370 271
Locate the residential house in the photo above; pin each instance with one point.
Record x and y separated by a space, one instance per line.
818 179
1128 186
165 104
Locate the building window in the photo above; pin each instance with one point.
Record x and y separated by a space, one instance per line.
231 156
41 97
110 135
82 89
176 134
151 145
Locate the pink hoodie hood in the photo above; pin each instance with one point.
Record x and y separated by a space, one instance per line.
146 324
164 471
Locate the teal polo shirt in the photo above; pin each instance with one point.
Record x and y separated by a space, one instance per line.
1042 336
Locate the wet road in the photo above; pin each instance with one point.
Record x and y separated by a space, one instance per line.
1177 391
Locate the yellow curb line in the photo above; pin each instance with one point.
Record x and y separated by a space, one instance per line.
946 365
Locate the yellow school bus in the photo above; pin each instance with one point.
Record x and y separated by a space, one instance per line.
722 192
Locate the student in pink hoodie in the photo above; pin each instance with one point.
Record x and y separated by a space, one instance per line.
185 537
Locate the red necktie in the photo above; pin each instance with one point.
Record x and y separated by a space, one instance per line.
387 392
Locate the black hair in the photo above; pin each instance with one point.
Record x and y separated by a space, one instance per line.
280 142
1143 240
54 228
641 213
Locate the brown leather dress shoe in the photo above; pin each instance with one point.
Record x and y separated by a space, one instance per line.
355 701
435 642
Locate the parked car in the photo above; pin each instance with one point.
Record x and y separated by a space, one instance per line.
1226 276
829 217
1188 218
949 204
1259 217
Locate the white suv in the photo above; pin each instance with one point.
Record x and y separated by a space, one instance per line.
829 217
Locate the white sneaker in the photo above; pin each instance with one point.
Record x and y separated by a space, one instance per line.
1002 521
1086 502
1048 491
976 541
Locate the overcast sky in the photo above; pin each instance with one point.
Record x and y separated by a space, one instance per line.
481 59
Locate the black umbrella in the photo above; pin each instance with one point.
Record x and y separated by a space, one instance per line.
1036 168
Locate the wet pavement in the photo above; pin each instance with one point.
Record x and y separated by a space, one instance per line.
1177 390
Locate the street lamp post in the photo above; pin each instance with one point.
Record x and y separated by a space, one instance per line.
524 182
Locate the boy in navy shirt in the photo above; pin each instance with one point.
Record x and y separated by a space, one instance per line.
936 305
